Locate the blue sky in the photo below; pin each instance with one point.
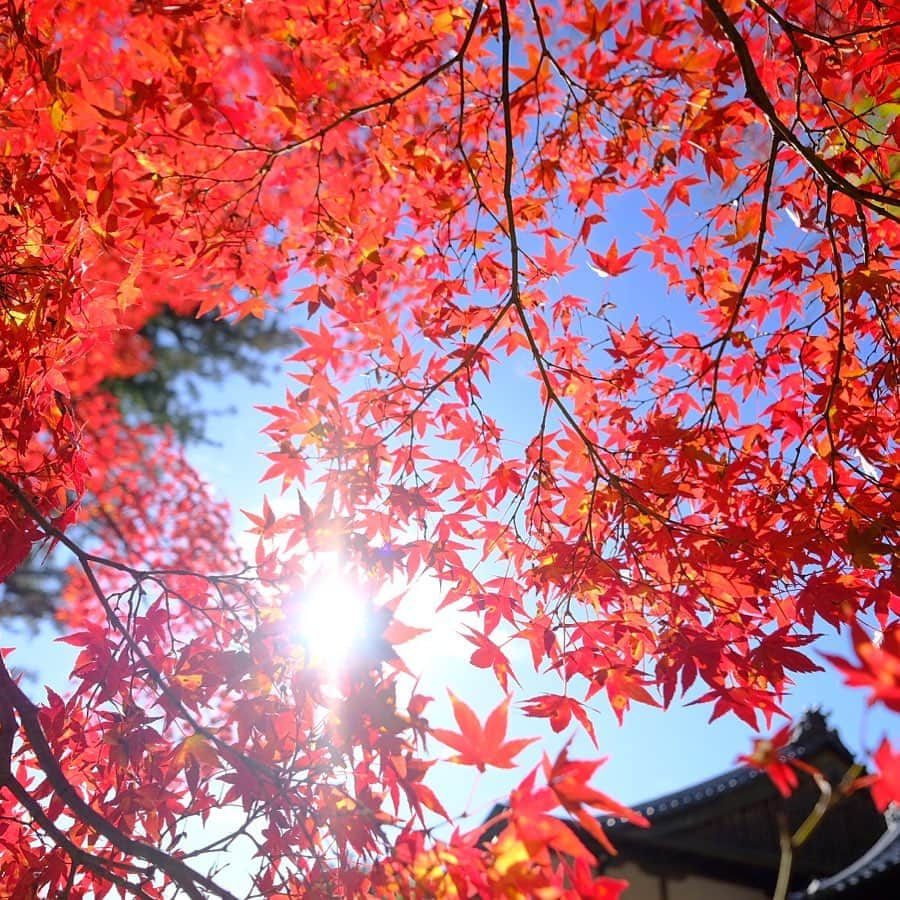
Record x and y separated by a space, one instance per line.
655 751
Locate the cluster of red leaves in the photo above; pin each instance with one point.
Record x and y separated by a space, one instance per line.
878 671
532 853
678 505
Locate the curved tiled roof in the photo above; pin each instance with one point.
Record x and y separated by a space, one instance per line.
880 862
810 735
725 827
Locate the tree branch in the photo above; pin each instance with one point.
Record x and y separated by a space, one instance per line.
756 92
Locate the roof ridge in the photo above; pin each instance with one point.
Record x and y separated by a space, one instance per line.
884 854
810 733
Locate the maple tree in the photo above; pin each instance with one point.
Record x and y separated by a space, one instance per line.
181 355
702 486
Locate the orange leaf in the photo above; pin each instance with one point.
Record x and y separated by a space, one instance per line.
129 293
481 746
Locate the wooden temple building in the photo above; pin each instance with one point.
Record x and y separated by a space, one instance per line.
719 840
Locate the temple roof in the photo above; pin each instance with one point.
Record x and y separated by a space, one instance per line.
811 736
867 877
727 826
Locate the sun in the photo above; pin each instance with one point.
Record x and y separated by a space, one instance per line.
343 622
333 620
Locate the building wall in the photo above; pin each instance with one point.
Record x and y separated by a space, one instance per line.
644 886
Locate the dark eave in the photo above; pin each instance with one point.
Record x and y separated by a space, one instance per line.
727 827
811 736
869 876
728 824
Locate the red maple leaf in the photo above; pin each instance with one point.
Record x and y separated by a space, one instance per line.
568 779
879 666
768 758
610 263
886 786
554 262
481 746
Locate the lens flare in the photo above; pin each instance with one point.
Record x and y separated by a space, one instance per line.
332 621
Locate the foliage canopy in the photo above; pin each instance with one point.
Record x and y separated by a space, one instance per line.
696 490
